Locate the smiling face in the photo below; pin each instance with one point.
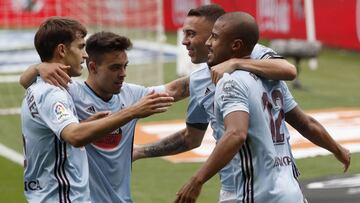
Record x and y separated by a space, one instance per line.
110 74
196 31
219 44
75 56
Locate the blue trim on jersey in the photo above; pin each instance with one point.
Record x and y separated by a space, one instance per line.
59 171
199 126
132 146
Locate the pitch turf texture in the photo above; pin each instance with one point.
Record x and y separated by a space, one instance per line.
334 84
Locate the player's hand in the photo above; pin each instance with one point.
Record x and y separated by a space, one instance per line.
152 103
225 67
54 74
344 156
189 192
97 115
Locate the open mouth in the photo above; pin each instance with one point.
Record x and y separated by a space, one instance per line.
119 83
190 52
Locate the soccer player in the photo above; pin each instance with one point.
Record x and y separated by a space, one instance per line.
197 29
250 112
121 192
195 41
56 164
105 90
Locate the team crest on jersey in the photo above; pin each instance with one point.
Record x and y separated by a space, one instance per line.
60 111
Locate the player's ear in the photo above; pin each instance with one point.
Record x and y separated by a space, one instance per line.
61 50
92 66
237 45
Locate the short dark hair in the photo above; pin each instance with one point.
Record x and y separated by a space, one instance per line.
211 12
243 26
55 31
104 42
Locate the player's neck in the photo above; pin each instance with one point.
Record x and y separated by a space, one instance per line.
97 91
57 60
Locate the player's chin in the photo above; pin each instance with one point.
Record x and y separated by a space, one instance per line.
78 72
196 60
210 62
117 90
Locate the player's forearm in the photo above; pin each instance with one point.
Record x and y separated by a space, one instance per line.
274 69
223 153
173 144
179 88
84 133
318 135
29 76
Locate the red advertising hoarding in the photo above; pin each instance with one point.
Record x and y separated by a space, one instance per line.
30 13
337 22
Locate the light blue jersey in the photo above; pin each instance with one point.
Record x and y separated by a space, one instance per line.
201 106
55 171
264 172
110 157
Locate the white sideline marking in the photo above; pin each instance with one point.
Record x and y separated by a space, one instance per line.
10 111
9 78
11 154
343 125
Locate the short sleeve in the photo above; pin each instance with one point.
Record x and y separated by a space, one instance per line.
289 101
231 95
263 52
56 110
157 89
195 112
139 91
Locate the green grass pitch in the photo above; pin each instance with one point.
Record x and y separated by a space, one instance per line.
336 83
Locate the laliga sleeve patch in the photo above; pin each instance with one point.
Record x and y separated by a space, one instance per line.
229 89
60 111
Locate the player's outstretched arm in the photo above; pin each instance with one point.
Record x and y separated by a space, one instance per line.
179 88
97 115
236 126
181 141
312 130
52 73
274 69
83 133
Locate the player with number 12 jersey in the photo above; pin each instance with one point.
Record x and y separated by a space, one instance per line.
265 171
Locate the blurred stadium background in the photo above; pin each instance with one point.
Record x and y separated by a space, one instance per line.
153 26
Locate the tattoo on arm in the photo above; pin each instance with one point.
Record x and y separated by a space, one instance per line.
185 87
173 144
179 88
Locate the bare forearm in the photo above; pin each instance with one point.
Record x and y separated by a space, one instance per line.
179 88
318 135
223 153
29 76
173 144
86 132
274 69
